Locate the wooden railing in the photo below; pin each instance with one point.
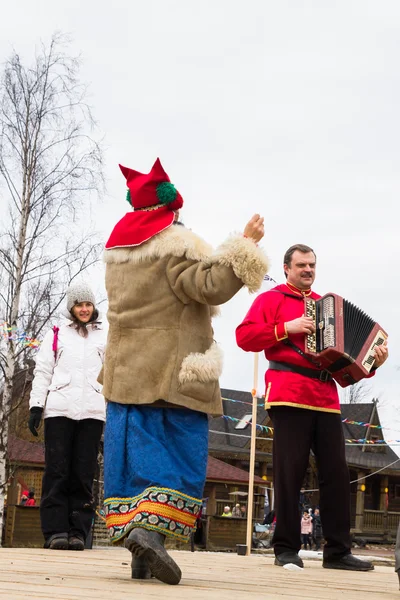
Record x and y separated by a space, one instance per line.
373 520
220 504
23 527
393 520
377 520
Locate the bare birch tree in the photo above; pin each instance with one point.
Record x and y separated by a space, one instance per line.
50 169
359 392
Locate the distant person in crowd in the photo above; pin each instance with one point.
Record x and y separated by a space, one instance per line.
317 529
236 512
306 530
31 499
303 500
227 512
269 518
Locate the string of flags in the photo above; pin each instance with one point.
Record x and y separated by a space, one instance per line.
348 421
14 334
355 442
372 442
243 402
360 442
267 429
258 426
363 424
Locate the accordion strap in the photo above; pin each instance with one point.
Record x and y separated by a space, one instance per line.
303 354
322 375
290 343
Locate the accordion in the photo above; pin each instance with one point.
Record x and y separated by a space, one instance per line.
344 339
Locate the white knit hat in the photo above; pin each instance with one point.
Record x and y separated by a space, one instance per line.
79 292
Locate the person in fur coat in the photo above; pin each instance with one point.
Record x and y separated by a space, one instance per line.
162 365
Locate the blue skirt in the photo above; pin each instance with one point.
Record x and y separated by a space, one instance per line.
155 463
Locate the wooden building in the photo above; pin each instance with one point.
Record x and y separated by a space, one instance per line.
374 469
25 464
225 485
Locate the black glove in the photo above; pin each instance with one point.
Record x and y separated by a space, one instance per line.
35 416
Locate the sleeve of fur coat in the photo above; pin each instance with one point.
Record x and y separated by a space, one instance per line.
237 262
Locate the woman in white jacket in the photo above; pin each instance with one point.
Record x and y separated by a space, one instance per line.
65 389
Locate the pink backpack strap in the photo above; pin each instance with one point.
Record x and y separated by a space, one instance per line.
55 341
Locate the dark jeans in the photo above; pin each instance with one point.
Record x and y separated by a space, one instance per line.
305 540
71 449
317 542
296 431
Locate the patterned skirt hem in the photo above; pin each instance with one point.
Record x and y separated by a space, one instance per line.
167 511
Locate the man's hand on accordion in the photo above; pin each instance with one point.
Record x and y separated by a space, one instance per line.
301 325
381 354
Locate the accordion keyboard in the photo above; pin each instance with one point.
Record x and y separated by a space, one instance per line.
369 358
324 322
328 322
311 339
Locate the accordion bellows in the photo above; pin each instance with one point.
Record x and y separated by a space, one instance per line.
344 340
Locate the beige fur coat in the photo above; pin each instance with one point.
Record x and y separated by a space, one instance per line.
162 296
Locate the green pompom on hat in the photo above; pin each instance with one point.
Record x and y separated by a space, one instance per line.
166 192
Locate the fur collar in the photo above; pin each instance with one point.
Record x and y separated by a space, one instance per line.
174 241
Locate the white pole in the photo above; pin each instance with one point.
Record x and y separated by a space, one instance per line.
252 459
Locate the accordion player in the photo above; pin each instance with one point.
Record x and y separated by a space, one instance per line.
344 339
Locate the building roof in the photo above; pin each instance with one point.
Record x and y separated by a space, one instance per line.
228 438
224 442
22 451
374 457
218 470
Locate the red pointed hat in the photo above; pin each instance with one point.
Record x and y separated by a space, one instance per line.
153 198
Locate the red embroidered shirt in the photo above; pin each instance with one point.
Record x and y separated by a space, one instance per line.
264 329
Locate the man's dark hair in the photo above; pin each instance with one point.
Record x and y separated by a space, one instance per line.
287 259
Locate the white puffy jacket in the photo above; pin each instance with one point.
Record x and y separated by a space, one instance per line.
67 386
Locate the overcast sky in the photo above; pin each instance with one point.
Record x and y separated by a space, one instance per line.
286 108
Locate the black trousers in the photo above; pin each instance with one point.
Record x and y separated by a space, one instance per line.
296 431
71 449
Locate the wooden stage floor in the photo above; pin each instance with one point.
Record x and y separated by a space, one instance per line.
105 574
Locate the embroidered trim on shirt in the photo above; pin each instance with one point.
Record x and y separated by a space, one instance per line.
279 339
307 406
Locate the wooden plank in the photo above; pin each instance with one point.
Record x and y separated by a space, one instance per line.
226 532
104 574
249 532
9 525
26 527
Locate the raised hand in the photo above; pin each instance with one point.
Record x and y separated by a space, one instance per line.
254 229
